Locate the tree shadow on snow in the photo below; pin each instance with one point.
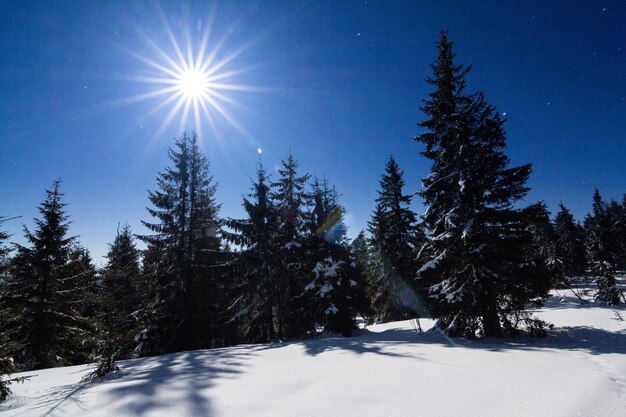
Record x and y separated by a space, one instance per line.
366 342
576 338
567 299
175 382
179 384
52 403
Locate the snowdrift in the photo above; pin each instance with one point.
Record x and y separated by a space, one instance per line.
385 370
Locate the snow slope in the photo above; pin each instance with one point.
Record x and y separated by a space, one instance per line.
387 370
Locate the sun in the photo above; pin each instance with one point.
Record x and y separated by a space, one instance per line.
193 84
192 76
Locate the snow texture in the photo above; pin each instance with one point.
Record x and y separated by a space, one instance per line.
328 268
386 370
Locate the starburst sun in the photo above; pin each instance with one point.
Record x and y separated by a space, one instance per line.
195 82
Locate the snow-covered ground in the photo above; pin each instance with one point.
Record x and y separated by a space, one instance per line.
387 370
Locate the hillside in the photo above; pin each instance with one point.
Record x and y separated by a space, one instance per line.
386 370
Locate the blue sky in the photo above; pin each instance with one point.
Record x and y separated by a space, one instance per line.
338 84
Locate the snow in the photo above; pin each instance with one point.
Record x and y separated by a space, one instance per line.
331 310
432 263
385 370
467 229
328 268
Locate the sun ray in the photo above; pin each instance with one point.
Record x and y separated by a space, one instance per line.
156 109
152 79
156 65
210 118
238 87
216 67
230 73
175 67
151 94
226 99
168 120
185 114
218 107
172 38
192 74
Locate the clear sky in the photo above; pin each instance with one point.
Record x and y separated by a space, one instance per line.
337 83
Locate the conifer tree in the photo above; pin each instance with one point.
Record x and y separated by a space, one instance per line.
257 304
479 270
47 290
602 250
185 248
622 233
84 304
616 214
118 302
395 239
332 293
7 365
570 243
5 250
291 199
544 244
362 265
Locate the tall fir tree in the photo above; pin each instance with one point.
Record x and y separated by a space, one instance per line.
47 291
544 244
395 240
5 249
616 214
622 233
119 298
256 306
186 251
570 244
602 251
7 365
479 272
362 265
291 200
333 292
83 283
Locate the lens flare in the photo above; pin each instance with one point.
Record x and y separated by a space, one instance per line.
331 226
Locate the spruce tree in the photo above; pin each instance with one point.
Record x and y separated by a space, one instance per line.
119 299
544 244
5 249
570 243
257 304
362 265
479 271
395 239
616 214
47 290
7 365
291 200
332 293
602 250
186 252
83 283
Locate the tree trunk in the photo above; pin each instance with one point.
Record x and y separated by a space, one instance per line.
491 321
